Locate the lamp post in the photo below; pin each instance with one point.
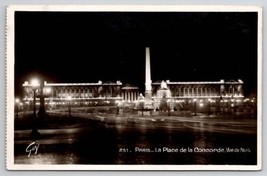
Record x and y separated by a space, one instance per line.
195 105
47 92
232 105
142 105
169 106
220 104
209 100
118 106
69 106
17 103
34 84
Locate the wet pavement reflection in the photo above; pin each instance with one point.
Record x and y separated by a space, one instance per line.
176 140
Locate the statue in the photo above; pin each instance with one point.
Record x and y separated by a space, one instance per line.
163 92
163 85
141 96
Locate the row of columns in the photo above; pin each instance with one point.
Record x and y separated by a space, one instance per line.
132 96
202 91
75 92
198 91
83 92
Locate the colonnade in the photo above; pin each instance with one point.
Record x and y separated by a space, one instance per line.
202 89
130 95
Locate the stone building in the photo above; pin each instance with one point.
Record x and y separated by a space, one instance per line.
189 90
222 93
82 94
210 97
130 93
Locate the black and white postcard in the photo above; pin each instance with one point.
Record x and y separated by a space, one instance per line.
134 87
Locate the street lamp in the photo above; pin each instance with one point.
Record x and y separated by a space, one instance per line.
46 93
142 105
47 90
34 84
209 100
220 104
169 106
195 104
17 103
118 106
69 99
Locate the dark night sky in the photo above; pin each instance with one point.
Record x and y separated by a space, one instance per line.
92 46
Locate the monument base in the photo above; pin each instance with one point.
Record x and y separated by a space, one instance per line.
148 100
148 105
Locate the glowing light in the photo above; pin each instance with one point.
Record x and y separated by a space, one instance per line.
26 83
238 96
52 103
247 99
201 104
17 100
48 90
35 83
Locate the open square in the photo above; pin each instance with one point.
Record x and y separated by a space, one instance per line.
141 87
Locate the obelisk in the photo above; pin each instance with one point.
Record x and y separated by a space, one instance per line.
148 91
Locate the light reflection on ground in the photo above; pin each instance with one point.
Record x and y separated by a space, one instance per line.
99 142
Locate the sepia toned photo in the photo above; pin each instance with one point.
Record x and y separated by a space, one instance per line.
134 88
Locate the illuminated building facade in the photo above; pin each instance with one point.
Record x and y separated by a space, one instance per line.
129 93
189 90
80 94
214 96
84 93
209 97
194 97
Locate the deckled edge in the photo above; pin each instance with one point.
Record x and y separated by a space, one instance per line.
9 80
9 69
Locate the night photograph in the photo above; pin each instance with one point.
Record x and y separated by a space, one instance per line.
136 88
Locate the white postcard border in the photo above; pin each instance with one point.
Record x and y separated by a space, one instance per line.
10 100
